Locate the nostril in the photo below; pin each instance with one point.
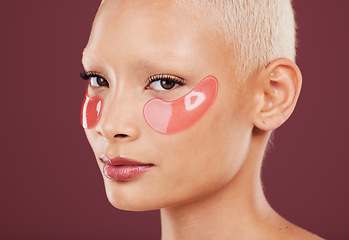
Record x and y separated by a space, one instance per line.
120 136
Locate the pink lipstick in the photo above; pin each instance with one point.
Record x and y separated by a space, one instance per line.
120 168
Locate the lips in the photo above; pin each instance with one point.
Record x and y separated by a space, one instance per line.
120 168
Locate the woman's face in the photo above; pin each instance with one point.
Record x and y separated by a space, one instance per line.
132 41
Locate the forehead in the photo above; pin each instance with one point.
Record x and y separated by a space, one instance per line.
144 27
139 21
160 13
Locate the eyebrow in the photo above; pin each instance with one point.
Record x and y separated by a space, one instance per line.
158 59
162 58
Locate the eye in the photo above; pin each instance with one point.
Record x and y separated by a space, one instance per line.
98 82
164 82
95 79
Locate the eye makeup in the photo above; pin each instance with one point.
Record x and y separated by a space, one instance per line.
170 117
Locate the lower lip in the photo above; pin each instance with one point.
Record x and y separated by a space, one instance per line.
124 172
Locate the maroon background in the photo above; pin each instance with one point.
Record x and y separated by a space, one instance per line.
50 185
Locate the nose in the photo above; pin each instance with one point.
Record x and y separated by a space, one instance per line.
118 120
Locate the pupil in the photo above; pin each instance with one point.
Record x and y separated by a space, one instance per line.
167 84
101 82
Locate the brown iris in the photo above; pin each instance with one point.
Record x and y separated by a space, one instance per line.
102 82
167 84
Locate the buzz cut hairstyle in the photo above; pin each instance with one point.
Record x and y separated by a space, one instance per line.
259 31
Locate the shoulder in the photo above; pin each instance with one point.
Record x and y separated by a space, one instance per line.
276 227
290 231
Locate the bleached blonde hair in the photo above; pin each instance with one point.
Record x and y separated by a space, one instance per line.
259 31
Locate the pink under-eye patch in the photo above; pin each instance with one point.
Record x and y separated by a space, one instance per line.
91 111
170 117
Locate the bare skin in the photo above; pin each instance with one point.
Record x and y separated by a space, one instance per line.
206 179
239 211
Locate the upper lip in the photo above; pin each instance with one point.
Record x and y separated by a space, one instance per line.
121 161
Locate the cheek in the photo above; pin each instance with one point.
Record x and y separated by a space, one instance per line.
91 111
178 115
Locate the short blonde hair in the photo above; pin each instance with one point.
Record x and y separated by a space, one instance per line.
259 31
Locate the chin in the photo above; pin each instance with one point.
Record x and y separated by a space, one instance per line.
130 201
136 206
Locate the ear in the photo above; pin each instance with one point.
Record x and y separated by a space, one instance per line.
281 85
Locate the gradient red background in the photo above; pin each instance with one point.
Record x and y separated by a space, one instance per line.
50 185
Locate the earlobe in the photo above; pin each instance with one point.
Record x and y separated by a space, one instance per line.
281 87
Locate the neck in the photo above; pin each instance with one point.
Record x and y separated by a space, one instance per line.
237 211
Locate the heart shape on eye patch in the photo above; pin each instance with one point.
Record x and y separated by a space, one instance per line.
170 117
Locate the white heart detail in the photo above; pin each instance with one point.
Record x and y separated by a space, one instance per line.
200 98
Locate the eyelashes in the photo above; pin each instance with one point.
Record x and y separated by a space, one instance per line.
166 77
164 82
159 82
86 75
95 79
